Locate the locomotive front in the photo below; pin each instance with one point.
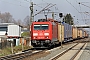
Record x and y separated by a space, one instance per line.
41 34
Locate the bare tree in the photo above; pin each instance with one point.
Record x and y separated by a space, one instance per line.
14 21
19 22
6 17
26 21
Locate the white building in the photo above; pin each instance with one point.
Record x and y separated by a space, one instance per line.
12 31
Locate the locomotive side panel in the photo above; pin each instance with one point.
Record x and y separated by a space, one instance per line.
54 31
31 28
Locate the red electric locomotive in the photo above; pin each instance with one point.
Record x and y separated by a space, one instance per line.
43 33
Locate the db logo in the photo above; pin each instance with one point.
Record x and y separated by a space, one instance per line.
41 34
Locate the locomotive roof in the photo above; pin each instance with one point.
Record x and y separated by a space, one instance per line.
52 20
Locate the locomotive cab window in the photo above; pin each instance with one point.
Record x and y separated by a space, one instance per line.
41 27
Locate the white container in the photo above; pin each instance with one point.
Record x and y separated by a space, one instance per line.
14 31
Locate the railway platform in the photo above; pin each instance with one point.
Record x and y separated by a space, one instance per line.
86 53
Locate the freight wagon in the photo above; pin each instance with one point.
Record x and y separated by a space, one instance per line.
80 33
49 32
86 35
74 33
60 32
67 31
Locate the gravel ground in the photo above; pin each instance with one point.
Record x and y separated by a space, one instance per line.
36 56
86 53
55 52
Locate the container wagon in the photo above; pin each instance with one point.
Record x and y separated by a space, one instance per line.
78 33
74 33
82 33
67 31
60 32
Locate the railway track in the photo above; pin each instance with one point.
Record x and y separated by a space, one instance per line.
20 56
70 53
30 54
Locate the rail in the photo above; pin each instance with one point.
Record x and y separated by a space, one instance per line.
63 54
19 56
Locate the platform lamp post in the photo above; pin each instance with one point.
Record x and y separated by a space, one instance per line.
61 15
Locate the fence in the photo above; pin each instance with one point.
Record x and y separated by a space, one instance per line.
4 43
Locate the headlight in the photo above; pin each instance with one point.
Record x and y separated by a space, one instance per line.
46 34
35 34
34 37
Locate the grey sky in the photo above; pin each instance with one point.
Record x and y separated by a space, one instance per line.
72 7
19 9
